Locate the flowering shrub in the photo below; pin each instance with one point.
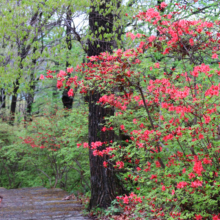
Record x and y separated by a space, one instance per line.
53 151
166 96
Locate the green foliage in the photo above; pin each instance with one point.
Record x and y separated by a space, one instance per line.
48 155
6 135
47 152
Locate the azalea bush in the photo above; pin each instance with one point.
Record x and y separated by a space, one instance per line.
165 92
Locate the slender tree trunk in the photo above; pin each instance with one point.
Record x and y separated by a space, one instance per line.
14 101
3 104
30 99
68 101
30 95
22 54
2 98
105 186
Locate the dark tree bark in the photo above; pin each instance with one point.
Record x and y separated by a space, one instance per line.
68 101
105 186
22 53
14 101
30 101
2 98
3 104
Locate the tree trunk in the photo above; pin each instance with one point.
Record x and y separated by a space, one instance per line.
22 54
105 186
30 95
2 98
3 104
14 101
68 101
30 98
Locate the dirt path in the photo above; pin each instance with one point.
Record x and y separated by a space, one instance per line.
37 204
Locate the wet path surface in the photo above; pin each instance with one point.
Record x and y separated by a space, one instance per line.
38 204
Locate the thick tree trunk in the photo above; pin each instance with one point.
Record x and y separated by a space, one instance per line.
105 186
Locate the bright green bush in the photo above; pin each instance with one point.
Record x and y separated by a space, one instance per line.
46 153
